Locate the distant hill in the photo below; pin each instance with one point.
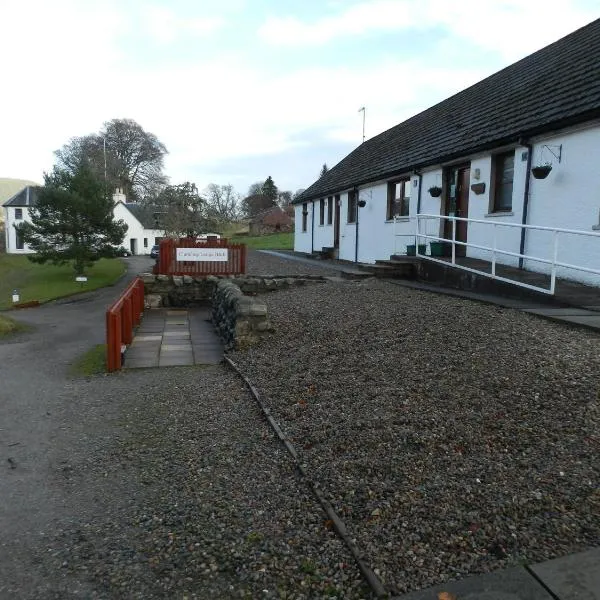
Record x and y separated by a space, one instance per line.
9 187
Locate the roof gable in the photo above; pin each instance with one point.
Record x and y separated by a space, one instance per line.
26 197
142 213
556 86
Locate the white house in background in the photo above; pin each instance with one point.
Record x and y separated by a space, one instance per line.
141 225
479 146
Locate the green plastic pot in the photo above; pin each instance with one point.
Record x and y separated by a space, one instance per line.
411 249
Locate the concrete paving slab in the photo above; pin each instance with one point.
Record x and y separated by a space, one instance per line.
558 312
510 584
175 347
175 362
574 577
143 351
177 334
177 312
590 320
146 338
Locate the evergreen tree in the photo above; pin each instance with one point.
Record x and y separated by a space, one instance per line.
72 220
270 190
324 170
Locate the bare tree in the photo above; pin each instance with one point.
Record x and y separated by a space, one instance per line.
222 202
122 154
255 188
180 211
285 198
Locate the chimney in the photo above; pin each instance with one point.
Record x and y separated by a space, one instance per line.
119 196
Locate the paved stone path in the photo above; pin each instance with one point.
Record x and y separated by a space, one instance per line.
169 338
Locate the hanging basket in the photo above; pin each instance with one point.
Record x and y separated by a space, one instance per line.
435 191
541 172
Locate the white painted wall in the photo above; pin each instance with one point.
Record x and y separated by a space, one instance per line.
11 234
568 198
507 238
323 233
136 231
347 231
302 239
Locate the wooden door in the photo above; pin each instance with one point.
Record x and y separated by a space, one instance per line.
457 204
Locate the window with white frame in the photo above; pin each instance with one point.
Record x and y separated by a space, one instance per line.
18 214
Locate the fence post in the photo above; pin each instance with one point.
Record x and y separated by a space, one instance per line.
494 252
554 260
453 240
243 265
110 342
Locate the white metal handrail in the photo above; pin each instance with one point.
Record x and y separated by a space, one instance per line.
410 234
553 262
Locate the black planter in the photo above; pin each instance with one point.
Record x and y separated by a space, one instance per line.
541 172
435 191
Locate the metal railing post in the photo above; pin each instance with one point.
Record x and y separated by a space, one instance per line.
394 230
417 238
453 240
494 252
554 261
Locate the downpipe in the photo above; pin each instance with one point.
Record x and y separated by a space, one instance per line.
525 200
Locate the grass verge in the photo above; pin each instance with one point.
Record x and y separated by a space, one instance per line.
93 362
8 326
275 241
47 282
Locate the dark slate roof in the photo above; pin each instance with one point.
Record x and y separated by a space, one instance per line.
144 214
26 197
556 86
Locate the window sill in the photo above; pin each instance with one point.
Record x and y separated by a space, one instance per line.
350 222
399 220
500 214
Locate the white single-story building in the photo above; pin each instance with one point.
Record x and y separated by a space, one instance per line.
141 234
480 148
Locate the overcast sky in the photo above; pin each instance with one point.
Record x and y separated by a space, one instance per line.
241 89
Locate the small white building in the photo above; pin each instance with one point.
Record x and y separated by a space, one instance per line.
479 148
141 235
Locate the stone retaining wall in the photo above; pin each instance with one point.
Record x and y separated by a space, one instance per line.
239 317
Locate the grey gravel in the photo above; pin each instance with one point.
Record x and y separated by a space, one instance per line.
261 263
182 491
453 437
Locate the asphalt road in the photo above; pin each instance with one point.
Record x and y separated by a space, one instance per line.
38 423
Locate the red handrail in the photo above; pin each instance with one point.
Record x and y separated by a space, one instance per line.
121 317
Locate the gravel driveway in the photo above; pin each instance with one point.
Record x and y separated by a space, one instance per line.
147 483
453 437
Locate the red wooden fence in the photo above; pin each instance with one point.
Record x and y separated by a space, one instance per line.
121 317
169 265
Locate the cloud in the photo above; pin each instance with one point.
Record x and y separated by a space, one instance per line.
510 27
165 26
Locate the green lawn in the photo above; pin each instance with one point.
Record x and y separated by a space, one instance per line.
46 282
93 362
275 241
